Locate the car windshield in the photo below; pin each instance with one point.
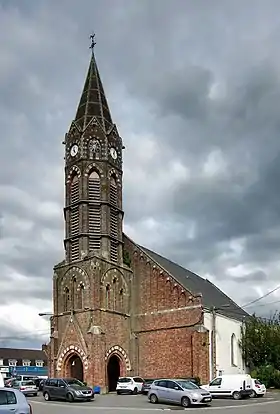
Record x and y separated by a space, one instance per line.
74 383
257 382
188 385
124 380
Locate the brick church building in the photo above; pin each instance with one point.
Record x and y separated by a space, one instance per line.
118 308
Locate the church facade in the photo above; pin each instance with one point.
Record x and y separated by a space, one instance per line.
119 309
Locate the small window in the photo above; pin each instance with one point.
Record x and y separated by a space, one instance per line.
171 384
39 363
52 383
26 363
7 397
216 381
61 384
162 384
1 362
138 380
12 362
124 380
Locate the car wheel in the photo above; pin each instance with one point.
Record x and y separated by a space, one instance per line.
118 393
153 398
185 402
253 394
35 395
236 395
69 397
135 391
47 396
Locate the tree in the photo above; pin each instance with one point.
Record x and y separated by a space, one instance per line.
261 342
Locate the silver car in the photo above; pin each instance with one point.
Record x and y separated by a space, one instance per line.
13 401
178 391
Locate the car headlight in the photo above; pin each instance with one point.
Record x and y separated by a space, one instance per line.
195 395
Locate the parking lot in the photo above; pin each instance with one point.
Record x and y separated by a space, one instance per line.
129 404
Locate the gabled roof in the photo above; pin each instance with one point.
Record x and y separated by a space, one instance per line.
211 295
31 354
93 102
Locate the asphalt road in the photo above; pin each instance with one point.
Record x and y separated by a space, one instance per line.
113 404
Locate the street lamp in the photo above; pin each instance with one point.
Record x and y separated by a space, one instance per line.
45 314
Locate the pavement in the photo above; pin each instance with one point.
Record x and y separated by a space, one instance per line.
139 404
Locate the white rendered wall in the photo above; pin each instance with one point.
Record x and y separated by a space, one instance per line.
225 328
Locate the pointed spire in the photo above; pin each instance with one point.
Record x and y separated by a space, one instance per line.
93 102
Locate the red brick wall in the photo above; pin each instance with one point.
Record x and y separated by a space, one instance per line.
165 316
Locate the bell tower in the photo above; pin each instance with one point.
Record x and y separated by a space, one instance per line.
93 177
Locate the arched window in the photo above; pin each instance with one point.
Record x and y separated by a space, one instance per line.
94 149
233 350
66 305
107 298
80 296
74 292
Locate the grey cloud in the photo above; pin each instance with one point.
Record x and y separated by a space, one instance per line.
159 65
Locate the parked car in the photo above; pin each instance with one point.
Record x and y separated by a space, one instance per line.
12 400
258 389
129 385
178 391
26 387
69 389
147 385
2 382
236 386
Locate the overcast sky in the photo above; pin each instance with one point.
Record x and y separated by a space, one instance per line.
194 87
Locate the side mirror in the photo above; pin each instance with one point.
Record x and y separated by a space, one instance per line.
62 386
176 388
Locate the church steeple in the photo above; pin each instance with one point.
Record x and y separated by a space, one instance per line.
93 178
93 101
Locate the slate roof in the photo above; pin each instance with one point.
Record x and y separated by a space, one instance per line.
93 102
18 354
211 294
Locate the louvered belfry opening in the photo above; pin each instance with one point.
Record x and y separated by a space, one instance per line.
114 252
94 211
113 192
74 217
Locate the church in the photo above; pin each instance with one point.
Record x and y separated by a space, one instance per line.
120 309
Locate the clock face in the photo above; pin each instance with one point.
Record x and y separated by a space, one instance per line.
74 150
113 153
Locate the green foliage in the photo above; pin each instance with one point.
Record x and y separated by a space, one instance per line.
268 375
261 342
126 258
261 349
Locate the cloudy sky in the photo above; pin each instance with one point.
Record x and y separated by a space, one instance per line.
194 87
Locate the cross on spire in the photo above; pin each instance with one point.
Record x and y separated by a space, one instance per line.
93 43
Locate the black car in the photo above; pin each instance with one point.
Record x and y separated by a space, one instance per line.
147 385
69 389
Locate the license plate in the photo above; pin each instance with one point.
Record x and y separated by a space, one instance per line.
207 399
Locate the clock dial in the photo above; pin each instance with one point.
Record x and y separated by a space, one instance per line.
113 153
74 150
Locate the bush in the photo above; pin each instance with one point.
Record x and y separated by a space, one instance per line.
268 375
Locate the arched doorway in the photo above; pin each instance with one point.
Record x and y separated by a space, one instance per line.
75 368
113 372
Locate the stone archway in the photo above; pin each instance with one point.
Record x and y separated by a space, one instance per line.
74 367
113 372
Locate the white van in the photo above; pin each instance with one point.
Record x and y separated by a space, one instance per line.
235 386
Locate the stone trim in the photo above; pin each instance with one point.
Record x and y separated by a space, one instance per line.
68 351
76 169
119 350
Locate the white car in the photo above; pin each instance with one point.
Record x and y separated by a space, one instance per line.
258 389
129 385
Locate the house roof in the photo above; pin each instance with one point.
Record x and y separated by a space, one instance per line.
212 296
31 354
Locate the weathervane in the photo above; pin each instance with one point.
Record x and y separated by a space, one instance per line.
93 43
